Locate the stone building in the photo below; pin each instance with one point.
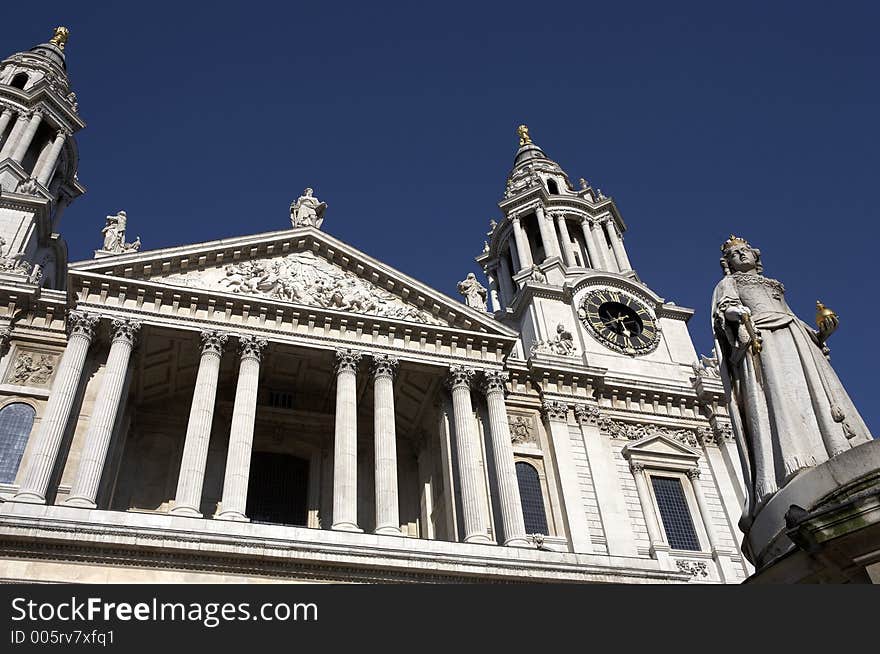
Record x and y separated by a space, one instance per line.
282 406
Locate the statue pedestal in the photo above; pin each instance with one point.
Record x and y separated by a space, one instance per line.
824 525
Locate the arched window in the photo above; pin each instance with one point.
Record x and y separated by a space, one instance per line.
552 187
19 81
16 421
532 499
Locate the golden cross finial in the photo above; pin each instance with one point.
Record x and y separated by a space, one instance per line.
60 37
523 131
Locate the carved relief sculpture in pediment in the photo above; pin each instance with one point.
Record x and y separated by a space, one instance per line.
304 278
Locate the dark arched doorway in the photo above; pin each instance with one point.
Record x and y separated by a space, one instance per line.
278 489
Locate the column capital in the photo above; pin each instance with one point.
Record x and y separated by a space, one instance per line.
636 467
347 360
213 342
494 381
384 366
251 347
586 414
460 376
124 330
554 410
80 323
693 474
5 336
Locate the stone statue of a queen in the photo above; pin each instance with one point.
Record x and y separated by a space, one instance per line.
787 406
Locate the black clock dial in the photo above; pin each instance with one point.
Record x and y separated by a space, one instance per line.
619 321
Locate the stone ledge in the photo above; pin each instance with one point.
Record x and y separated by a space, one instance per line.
149 540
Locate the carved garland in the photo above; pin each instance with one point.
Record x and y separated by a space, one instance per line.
634 432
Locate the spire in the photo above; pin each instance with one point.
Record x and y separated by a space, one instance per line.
53 49
528 161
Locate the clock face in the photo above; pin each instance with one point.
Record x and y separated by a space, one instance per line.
620 322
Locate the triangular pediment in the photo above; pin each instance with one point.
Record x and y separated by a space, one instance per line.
660 445
302 266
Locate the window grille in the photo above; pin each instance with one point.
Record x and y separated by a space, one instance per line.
280 399
675 514
532 499
16 421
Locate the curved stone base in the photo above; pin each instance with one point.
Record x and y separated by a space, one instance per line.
825 485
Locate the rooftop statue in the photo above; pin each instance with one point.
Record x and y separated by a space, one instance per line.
473 292
788 409
307 211
114 236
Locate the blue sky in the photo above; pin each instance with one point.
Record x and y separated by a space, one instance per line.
700 119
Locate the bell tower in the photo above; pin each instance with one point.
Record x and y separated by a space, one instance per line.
560 275
38 162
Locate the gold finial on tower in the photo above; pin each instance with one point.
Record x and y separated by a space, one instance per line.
523 131
60 37
733 241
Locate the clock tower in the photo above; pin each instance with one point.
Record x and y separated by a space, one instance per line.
632 426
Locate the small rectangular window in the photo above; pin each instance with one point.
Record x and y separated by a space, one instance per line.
280 399
675 514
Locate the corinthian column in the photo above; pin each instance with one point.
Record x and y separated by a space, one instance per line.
48 166
548 234
5 117
15 132
387 507
565 237
198 430
521 240
502 453
617 245
81 331
592 250
472 507
84 489
27 137
345 443
556 417
241 434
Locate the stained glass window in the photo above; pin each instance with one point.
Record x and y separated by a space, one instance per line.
16 421
532 499
675 514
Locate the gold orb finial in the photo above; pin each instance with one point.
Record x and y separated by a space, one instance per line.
523 131
60 37
822 313
733 241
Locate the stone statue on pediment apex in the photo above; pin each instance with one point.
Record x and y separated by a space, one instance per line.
307 211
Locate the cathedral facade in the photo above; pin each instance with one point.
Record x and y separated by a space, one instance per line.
284 407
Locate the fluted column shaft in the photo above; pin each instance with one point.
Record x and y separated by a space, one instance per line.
81 331
241 435
385 435
467 445
617 245
5 118
651 524
523 251
577 527
27 137
20 125
84 490
191 479
345 442
502 452
494 300
565 238
694 475
592 251
48 166
548 234
599 240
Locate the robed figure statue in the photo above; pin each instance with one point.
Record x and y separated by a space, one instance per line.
788 409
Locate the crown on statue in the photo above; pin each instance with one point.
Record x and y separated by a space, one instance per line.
732 242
